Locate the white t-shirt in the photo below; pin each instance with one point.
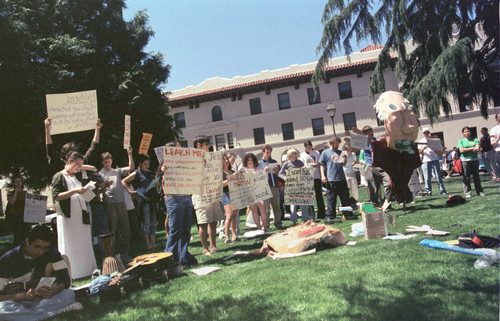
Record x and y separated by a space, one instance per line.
311 158
428 155
495 131
348 169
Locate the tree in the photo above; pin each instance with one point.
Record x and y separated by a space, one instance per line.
52 46
455 47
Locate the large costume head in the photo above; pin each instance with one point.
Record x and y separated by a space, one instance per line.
401 125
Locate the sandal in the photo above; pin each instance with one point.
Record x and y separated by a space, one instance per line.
237 239
228 241
214 250
207 253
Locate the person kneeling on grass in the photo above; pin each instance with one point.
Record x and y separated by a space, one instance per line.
20 272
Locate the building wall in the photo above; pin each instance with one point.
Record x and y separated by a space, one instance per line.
238 120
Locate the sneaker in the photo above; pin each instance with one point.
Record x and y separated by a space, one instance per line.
75 306
468 195
481 194
443 193
222 235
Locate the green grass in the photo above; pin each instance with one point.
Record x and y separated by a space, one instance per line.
373 280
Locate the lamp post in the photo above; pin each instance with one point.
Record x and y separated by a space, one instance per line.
331 110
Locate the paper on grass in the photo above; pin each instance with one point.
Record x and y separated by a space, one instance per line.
236 254
399 237
205 270
251 234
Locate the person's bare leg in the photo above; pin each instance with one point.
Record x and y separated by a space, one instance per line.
146 239
233 225
152 241
255 215
212 235
229 219
202 231
166 226
263 215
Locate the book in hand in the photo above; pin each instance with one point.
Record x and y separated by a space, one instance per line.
46 281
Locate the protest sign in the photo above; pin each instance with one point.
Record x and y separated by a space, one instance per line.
358 141
145 141
261 188
212 178
72 112
299 186
414 183
126 134
241 190
183 175
159 154
435 144
35 208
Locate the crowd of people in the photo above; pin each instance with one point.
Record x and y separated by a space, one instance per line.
82 218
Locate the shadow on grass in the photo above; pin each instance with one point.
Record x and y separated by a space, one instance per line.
417 300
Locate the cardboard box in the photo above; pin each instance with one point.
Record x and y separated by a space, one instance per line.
374 224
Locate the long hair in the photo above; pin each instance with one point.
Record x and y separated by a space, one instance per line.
254 160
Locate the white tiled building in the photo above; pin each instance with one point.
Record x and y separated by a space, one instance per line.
279 107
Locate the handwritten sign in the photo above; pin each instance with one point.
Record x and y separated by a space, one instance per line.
241 187
261 189
159 154
145 141
212 178
434 144
359 141
126 134
72 112
299 186
183 175
35 208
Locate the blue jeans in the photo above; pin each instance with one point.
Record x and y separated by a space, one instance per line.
180 214
428 168
99 225
148 215
38 309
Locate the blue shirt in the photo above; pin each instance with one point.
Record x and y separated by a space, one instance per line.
334 169
272 178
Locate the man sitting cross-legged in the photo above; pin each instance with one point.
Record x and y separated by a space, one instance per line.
27 264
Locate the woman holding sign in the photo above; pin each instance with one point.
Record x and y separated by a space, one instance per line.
144 182
226 202
73 219
251 165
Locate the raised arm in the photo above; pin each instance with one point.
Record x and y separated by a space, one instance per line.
48 126
130 160
127 180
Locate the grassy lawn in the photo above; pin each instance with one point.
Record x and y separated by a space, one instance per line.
373 280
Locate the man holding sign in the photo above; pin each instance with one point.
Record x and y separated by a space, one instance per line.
431 153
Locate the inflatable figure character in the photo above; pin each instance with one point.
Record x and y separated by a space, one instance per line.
397 153
401 124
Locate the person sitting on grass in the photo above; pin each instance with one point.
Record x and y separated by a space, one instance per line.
20 272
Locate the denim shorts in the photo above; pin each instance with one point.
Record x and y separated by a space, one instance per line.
225 199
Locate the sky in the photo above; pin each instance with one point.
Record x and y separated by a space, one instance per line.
202 39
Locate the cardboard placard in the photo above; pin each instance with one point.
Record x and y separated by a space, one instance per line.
435 144
212 178
358 141
299 186
241 187
159 154
72 112
145 141
35 208
126 134
183 175
261 190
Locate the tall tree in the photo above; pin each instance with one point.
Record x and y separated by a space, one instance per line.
455 47
53 46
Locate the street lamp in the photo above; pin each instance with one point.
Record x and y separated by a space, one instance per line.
331 110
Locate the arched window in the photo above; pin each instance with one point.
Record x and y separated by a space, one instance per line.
217 113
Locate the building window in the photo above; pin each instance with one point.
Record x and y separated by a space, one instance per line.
258 136
313 98
220 141
216 113
349 120
184 143
465 103
230 142
287 130
284 101
255 106
345 90
318 126
180 120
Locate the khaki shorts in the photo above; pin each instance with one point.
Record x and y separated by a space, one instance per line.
207 213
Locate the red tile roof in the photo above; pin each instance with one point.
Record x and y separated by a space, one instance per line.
371 47
279 78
